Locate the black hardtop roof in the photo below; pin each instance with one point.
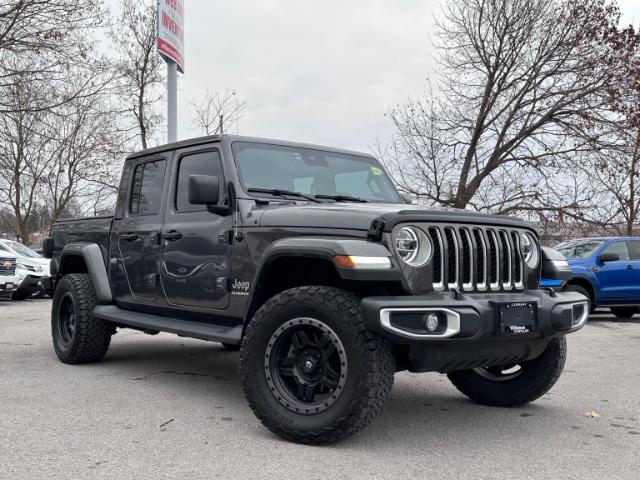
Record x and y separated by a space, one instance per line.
240 138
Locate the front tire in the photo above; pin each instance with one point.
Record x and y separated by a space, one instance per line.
310 370
78 337
513 386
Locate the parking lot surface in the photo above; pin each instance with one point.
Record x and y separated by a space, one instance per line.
167 407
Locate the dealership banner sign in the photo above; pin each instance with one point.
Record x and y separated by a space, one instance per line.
171 31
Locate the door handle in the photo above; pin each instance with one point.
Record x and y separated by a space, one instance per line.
629 267
172 235
128 237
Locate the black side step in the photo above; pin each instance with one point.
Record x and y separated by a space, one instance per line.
202 331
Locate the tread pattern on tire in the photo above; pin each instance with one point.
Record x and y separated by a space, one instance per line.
93 335
376 359
541 374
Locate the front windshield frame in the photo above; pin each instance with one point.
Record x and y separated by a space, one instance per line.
394 197
564 246
21 250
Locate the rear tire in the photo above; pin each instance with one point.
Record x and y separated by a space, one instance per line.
310 370
78 337
491 386
624 312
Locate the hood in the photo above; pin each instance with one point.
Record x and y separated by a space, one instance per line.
358 216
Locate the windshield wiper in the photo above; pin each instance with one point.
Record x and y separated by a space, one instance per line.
342 198
283 193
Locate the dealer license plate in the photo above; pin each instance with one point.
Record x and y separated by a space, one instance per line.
517 317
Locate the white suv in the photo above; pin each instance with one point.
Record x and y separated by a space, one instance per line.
31 268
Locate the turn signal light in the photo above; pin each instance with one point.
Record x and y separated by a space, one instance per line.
362 263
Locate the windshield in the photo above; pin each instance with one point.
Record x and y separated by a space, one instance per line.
22 250
581 249
313 172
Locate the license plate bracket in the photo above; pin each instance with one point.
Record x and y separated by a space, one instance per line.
517 318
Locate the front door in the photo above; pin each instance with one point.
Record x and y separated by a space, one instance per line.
618 279
138 232
195 245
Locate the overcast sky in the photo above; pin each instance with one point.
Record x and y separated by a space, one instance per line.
315 71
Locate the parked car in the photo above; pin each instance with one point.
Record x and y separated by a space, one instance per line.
8 278
607 271
309 261
31 269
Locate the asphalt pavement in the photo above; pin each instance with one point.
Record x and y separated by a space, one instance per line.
167 407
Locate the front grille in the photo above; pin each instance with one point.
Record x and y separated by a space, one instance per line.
7 266
474 258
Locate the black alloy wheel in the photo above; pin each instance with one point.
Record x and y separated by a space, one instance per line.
67 319
305 365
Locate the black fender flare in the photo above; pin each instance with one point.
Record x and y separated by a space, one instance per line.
94 259
325 249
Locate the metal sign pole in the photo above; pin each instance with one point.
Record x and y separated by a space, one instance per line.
172 101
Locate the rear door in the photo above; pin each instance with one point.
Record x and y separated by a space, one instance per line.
617 279
137 233
195 242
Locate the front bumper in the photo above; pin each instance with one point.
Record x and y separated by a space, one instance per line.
472 335
8 285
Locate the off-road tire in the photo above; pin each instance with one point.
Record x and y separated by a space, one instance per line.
91 337
536 379
369 378
624 312
583 291
232 347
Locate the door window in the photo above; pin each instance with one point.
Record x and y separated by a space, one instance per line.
146 192
203 163
634 249
619 248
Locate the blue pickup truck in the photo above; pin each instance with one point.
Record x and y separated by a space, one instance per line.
607 271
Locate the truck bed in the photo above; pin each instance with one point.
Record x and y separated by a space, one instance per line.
89 229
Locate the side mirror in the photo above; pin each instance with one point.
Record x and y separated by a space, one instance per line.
608 257
407 198
205 190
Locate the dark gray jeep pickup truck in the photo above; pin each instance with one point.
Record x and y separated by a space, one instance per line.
309 261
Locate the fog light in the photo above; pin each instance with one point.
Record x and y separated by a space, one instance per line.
432 321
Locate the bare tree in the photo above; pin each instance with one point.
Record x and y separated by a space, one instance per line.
613 164
518 80
217 112
134 35
57 157
41 40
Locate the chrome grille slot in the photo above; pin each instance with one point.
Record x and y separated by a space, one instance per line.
453 257
467 252
436 239
494 253
476 258
506 263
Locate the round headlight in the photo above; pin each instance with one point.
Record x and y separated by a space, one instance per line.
413 246
529 250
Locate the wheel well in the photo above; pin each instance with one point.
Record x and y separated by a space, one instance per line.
72 264
289 272
586 284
